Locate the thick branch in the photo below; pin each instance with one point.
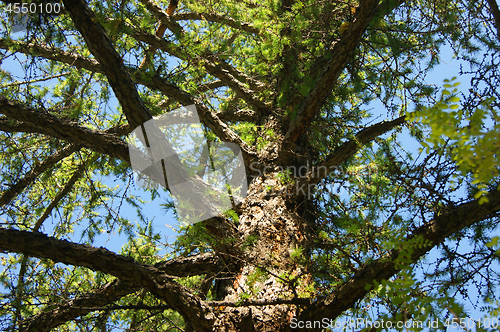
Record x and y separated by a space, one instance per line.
348 149
210 86
190 266
496 15
72 59
435 232
111 292
324 85
13 126
72 132
238 115
101 47
192 308
220 69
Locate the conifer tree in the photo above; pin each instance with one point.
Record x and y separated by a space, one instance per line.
343 218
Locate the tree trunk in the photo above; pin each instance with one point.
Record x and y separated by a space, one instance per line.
273 234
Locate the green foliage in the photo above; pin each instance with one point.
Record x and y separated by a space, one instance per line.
192 239
470 138
250 241
232 215
285 177
244 296
404 259
297 256
247 132
257 276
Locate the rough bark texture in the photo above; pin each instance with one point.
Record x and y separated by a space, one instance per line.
279 230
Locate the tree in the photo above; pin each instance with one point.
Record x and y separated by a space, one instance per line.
338 214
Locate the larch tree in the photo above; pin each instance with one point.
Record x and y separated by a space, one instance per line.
341 209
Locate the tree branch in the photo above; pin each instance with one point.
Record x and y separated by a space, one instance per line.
162 285
207 117
210 86
69 131
112 145
190 266
347 150
435 232
13 126
158 83
162 16
48 320
324 85
72 59
43 79
496 15
238 115
213 64
113 291
112 64
226 73
60 195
